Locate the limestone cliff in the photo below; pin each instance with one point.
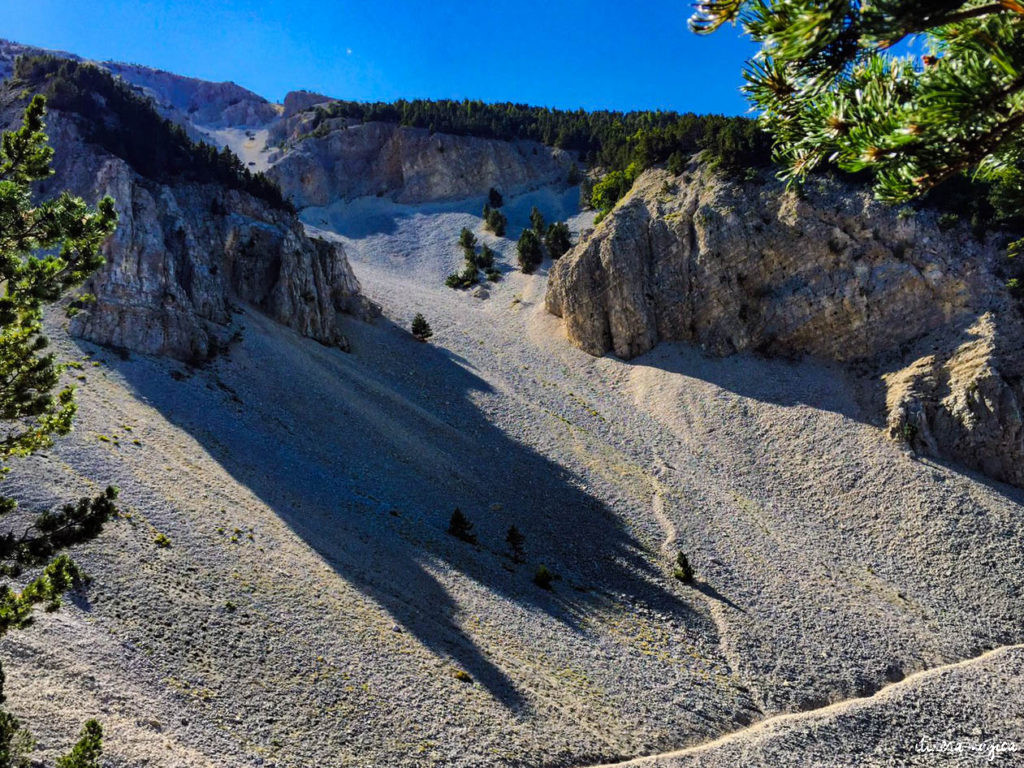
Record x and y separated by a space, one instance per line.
827 273
188 101
185 252
345 159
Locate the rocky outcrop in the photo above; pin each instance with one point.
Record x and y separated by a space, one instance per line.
185 254
827 273
200 102
297 101
961 395
188 101
344 160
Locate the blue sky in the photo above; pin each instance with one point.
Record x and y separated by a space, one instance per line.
559 53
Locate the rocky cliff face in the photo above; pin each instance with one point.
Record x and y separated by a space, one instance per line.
184 254
188 101
203 103
410 165
828 273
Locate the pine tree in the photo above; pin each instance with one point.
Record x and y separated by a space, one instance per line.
86 753
496 222
683 571
515 541
485 259
461 528
46 249
421 330
529 251
557 239
830 92
537 221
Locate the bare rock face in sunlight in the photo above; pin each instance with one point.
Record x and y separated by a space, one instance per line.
409 165
963 396
188 101
215 105
184 254
828 273
296 101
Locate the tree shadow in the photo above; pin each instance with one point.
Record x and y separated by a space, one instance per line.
365 456
706 589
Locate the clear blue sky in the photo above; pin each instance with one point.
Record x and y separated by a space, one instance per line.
560 53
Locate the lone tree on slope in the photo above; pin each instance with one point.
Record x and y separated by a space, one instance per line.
515 541
421 329
46 249
530 254
830 90
460 527
537 221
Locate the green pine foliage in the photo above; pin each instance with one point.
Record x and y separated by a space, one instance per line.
495 221
474 260
47 247
87 751
529 250
831 92
683 571
537 223
467 239
613 187
557 240
485 259
110 114
611 140
421 330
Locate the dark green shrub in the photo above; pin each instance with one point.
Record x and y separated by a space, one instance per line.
543 577
468 242
537 221
557 239
461 528
676 163
613 187
528 247
683 571
87 752
469 275
493 275
496 222
485 259
421 330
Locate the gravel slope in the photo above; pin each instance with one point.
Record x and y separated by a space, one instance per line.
311 609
